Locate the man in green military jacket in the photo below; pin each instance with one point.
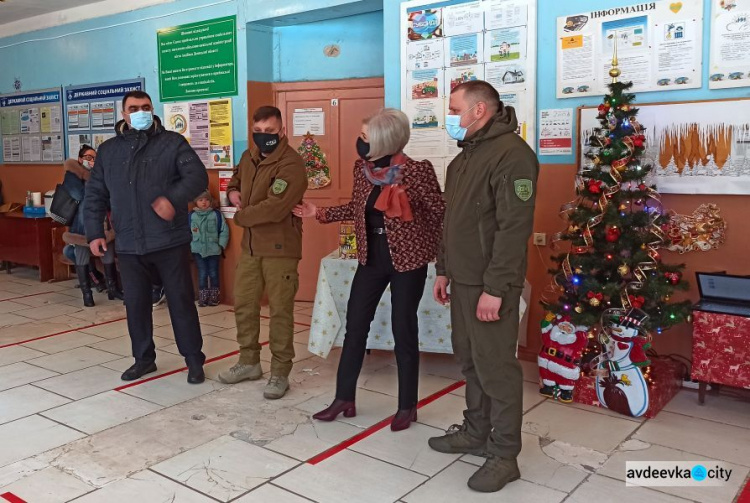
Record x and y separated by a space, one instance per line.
490 193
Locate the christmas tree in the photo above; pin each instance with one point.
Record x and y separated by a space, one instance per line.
318 174
615 229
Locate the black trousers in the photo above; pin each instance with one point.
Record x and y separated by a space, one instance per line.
173 266
370 281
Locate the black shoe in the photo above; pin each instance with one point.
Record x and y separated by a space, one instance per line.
566 395
196 375
548 391
138 370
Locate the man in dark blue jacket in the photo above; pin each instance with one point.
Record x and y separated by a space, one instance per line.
147 176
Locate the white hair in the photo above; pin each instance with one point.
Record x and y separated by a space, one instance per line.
387 132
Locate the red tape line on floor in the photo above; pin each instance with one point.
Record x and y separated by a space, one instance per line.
60 333
379 426
183 369
25 296
745 494
12 498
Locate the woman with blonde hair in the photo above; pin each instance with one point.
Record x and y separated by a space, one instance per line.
397 208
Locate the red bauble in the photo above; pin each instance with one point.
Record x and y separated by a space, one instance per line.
595 186
612 234
673 277
638 141
636 302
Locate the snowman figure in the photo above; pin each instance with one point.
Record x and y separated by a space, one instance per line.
624 388
560 356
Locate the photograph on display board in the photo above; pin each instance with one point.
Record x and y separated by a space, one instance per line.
424 84
506 44
461 74
425 54
463 50
425 24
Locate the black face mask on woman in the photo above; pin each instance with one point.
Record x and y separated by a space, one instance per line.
363 149
266 142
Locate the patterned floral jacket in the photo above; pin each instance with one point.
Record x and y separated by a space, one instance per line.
412 244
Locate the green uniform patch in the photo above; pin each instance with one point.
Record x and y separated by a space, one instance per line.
279 186
524 188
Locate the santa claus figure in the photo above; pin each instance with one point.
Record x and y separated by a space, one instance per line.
560 357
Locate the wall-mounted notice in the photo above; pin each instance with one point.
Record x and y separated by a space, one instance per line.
444 44
658 45
730 44
207 126
226 207
93 110
198 60
31 126
308 120
556 131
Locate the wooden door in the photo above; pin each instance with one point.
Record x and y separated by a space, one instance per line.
345 104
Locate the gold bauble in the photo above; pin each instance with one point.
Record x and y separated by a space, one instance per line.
614 72
622 207
594 301
624 270
579 309
643 246
578 270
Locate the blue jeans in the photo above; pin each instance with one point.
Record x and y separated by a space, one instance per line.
208 268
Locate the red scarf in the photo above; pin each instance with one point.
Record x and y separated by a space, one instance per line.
393 200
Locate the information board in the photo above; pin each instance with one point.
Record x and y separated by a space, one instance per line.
659 48
207 126
444 44
92 110
31 126
198 60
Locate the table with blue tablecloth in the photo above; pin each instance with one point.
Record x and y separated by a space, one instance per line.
329 312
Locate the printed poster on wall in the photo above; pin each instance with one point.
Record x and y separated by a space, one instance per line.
226 207
31 126
556 131
93 110
443 46
730 44
207 126
308 120
658 48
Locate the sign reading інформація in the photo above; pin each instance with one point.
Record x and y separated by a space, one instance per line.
198 60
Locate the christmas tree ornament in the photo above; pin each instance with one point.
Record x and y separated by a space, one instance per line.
559 359
623 270
624 388
316 166
578 309
613 234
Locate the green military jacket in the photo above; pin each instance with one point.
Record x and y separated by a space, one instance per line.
270 187
490 194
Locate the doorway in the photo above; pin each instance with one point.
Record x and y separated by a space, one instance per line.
344 105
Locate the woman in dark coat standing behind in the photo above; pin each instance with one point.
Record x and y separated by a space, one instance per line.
397 210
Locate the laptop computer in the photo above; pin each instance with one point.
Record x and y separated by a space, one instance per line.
723 293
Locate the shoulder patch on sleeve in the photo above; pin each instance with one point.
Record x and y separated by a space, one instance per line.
524 188
279 186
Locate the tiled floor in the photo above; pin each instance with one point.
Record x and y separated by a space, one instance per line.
70 431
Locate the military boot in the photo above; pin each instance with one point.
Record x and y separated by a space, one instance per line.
457 440
494 474
276 388
241 372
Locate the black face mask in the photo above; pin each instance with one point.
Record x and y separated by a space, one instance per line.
363 148
266 142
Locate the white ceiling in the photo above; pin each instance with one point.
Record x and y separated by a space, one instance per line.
15 10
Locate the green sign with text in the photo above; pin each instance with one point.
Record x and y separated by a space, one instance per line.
198 60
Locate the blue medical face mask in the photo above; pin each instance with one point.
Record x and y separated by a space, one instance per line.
141 119
453 125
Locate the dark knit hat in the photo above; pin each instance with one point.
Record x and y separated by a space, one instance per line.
205 194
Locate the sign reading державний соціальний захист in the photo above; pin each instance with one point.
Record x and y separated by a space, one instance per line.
198 60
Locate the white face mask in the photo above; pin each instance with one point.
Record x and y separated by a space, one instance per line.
88 164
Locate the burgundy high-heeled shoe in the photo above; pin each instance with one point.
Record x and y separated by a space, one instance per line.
336 408
403 419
